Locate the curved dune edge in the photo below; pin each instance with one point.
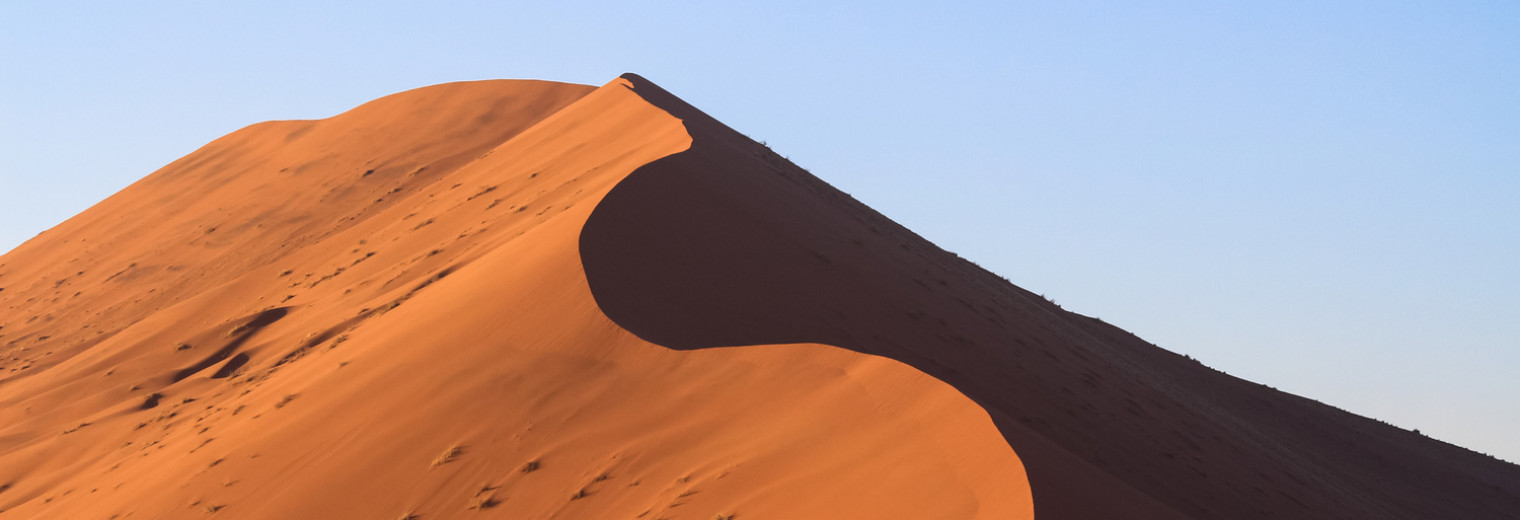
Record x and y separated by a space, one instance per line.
458 346
729 244
951 426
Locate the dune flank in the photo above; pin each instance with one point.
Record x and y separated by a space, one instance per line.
525 299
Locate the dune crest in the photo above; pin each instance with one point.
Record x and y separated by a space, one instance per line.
384 314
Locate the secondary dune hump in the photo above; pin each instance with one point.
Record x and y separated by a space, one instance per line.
526 299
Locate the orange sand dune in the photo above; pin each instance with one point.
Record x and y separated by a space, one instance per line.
384 313
521 299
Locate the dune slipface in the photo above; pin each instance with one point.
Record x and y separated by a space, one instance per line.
523 299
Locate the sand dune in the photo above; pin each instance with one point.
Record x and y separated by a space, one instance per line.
522 299
385 321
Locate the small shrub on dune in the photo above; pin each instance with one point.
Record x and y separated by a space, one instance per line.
448 456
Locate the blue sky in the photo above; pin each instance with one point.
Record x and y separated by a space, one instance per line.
1319 196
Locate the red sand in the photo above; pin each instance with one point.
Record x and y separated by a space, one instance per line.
504 299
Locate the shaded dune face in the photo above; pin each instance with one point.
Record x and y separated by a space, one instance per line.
384 315
727 244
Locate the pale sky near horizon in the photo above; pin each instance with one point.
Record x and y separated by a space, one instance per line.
1319 196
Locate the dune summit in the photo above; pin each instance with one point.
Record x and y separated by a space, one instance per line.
525 299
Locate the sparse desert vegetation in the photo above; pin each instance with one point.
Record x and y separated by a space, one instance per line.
484 502
448 455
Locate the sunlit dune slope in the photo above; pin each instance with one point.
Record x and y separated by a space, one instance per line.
384 314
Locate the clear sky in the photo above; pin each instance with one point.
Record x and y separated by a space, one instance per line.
1319 196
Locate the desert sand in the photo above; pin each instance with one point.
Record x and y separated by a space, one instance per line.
525 299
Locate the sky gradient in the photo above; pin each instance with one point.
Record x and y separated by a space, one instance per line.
1322 198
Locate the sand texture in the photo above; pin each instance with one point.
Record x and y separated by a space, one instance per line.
535 300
